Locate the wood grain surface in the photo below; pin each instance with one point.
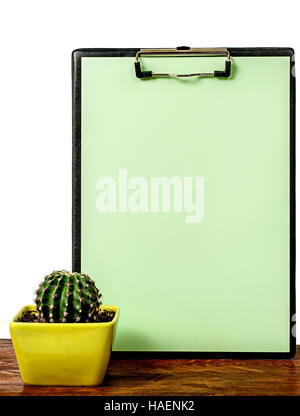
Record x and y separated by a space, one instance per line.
171 377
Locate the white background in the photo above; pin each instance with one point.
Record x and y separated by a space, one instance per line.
37 38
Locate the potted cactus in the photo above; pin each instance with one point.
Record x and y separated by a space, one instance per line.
66 337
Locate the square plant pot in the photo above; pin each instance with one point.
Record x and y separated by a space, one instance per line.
63 354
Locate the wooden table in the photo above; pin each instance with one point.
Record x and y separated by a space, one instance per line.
139 377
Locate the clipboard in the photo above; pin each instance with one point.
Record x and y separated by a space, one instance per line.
184 197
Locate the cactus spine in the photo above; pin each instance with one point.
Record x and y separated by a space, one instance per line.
67 297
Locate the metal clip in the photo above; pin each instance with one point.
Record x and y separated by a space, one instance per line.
183 51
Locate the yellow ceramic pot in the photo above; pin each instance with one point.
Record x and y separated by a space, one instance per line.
63 354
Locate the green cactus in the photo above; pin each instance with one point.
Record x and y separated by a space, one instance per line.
67 297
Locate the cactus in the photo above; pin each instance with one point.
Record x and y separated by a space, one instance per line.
67 297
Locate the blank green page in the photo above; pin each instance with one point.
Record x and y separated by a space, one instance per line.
185 201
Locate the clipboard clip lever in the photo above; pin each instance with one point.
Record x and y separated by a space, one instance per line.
183 51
